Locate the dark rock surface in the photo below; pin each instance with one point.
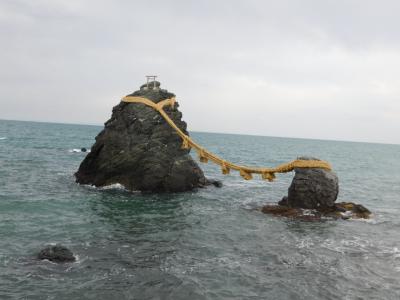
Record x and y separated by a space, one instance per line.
138 149
57 253
312 188
352 210
214 182
342 210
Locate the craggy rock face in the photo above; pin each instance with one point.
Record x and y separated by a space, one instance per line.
138 149
312 188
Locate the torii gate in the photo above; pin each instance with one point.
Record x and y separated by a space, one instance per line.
151 78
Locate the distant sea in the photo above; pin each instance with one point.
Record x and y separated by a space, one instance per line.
209 244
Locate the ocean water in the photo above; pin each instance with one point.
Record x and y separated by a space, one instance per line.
209 244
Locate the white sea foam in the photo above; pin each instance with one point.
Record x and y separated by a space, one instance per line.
78 151
390 251
3 138
115 186
355 244
49 261
371 220
347 214
308 212
305 243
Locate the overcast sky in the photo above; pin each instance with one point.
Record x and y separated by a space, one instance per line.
310 69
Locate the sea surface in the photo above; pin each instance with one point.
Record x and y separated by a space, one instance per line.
208 244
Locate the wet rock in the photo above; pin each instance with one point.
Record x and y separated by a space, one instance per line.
138 149
214 182
57 253
356 211
312 188
342 210
280 210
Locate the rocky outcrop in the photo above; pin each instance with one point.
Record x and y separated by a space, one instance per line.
342 210
312 195
312 188
57 253
139 150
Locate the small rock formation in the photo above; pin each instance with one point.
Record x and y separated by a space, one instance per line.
312 195
138 149
57 253
312 188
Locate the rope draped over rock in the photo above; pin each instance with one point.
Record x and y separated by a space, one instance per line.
226 166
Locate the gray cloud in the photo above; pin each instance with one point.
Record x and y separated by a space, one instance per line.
317 69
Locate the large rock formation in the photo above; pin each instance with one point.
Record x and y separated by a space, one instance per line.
139 150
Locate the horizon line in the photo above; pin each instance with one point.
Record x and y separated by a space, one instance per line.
213 132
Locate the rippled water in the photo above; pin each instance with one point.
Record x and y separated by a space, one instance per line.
210 244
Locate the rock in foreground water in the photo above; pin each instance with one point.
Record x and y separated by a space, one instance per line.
57 253
138 149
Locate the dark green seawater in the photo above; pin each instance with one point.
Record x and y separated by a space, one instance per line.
209 244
